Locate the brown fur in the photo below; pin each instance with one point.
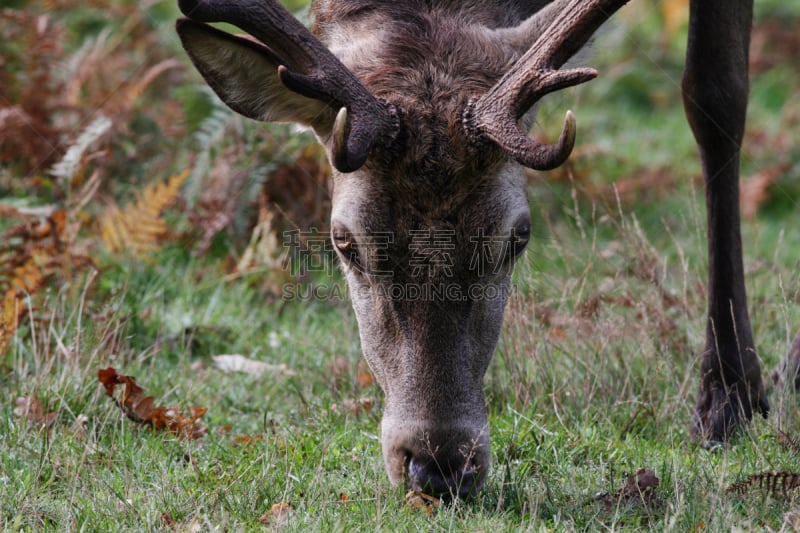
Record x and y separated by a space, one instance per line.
424 60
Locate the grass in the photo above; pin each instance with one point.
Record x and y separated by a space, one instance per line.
594 377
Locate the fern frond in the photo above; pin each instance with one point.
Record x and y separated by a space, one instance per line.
212 128
135 91
32 254
789 442
775 484
70 164
139 227
9 321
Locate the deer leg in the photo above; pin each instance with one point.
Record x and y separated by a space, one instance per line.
715 91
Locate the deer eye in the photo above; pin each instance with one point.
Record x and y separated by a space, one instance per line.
342 239
520 235
344 243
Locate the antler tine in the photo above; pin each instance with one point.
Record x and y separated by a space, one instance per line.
495 115
310 69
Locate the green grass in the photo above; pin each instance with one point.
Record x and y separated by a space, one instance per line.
594 378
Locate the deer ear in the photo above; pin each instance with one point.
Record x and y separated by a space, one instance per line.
244 74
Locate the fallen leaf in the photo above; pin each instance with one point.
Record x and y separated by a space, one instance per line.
142 409
364 377
419 501
247 440
754 190
240 363
642 485
638 489
168 521
277 516
31 409
192 527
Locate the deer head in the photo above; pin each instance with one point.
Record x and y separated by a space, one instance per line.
423 108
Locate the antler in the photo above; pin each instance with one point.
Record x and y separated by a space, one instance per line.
308 68
495 115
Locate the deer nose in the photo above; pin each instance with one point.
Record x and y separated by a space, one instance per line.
445 481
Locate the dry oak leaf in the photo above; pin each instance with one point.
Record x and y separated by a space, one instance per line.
142 409
191 527
642 485
364 377
168 521
31 409
754 191
419 501
638 489
247 440
277 516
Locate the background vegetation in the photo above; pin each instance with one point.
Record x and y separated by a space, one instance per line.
141 229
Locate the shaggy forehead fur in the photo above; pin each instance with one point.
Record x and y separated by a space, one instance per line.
428 62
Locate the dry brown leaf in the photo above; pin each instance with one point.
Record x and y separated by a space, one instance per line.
774 41
365 377
247 440
754 191
277 516
191 527
644 185
9 319
142 409
642 485
419 501
32 254
638 489
168 521
301 189
31 409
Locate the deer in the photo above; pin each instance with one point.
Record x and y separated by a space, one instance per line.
423 108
